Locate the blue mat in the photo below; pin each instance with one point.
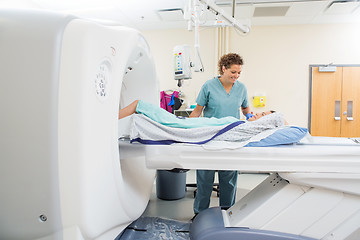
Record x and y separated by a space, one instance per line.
156 228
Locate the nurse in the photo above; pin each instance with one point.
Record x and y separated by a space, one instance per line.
222 96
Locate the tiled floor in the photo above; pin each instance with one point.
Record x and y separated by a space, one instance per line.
182 209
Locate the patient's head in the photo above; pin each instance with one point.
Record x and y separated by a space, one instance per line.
269 118
260 115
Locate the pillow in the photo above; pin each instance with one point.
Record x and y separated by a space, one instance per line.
286 135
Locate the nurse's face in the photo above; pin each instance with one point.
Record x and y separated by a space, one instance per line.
231 74
259 115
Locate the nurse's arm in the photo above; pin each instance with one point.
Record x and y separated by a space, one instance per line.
245 110
197 111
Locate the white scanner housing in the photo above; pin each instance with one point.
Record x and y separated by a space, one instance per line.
63 80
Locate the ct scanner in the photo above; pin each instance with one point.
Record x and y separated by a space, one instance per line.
63 79
64 175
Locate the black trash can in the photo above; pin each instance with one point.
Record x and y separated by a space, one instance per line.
170 185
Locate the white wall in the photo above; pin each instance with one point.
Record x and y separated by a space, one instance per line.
162 44
277 60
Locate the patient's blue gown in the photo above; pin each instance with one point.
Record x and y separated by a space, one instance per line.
164 117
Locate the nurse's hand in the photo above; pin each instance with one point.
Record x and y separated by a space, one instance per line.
197 111
249 115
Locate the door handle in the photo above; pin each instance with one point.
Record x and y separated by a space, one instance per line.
337 110
349 116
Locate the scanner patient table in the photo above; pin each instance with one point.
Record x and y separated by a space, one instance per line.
314 191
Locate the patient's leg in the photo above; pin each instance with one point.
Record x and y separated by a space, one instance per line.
128 110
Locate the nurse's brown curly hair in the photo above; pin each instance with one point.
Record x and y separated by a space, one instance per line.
229 59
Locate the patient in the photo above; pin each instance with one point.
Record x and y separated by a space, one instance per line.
164 117
154 125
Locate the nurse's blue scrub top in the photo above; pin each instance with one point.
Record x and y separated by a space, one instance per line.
218 103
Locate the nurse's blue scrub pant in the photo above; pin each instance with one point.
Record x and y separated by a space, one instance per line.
204 182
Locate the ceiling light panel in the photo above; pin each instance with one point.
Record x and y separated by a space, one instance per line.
277 11
341 7
176 14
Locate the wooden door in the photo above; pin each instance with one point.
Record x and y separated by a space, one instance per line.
350 103
326 90
335 102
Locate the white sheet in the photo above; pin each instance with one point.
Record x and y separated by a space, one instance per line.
146 129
